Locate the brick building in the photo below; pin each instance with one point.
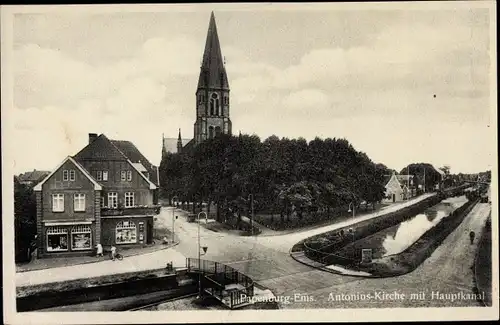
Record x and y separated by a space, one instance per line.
105 194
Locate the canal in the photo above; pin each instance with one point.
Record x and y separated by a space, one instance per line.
397 238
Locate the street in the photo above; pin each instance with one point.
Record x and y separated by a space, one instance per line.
267 260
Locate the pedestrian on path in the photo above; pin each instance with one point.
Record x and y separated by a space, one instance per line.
472 234
113 252
99 250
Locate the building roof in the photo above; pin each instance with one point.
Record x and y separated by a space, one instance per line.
140 167
212 72
100 149
137 158
438 170
387 178
103 148
170 144
33 176
97 186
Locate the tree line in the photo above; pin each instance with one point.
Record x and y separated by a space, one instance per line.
278 175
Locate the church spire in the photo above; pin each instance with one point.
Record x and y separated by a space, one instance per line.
213 73
179 142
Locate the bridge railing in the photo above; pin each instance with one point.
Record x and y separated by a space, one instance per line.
221 275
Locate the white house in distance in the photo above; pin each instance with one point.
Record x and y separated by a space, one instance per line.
393 189
397 187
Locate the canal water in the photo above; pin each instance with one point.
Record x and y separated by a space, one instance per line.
396 239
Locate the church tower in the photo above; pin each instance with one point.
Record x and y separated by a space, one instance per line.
212 93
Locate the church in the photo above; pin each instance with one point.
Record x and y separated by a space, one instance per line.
212 98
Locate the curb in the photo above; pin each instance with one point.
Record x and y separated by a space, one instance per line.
98 261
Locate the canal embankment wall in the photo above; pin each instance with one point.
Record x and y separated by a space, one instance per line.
322 247
29 298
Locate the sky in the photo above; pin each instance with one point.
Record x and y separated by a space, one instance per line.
402 85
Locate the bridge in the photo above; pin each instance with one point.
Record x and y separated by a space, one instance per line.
232 288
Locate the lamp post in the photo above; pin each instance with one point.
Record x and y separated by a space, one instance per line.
199 254
353 211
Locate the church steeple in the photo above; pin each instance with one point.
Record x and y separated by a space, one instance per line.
213 72
179 142
212 93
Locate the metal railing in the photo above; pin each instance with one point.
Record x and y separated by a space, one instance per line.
217 276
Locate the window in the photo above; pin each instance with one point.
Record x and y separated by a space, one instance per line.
214 104
210 132
102 202
57 239
217 131
81 238
99 175
129 175
123 176
57 202
72 175
105 175
129 199
112 200
65 175
79 202
126 232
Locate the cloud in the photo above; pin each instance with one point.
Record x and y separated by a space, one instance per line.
382 87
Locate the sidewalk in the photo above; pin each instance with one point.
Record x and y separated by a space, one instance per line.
162 225
142 262
57 262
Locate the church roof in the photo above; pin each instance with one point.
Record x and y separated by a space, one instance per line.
170 144
212 72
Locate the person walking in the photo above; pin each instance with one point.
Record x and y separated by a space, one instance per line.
113 252
99 250
472 234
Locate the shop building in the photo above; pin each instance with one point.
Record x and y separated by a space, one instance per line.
105 194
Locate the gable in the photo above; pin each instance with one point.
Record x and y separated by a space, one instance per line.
69 164
393 185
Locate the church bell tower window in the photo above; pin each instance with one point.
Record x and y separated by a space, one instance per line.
214 105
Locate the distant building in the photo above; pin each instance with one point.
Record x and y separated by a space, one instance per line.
393 190
32 178
105 194
439 185
212 98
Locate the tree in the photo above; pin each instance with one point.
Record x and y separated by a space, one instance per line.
24 220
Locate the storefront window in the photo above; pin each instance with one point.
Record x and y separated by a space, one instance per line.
126 232
81 238
57 239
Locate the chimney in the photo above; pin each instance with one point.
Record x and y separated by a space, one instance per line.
92 137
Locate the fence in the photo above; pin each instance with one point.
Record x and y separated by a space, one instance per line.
216 276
